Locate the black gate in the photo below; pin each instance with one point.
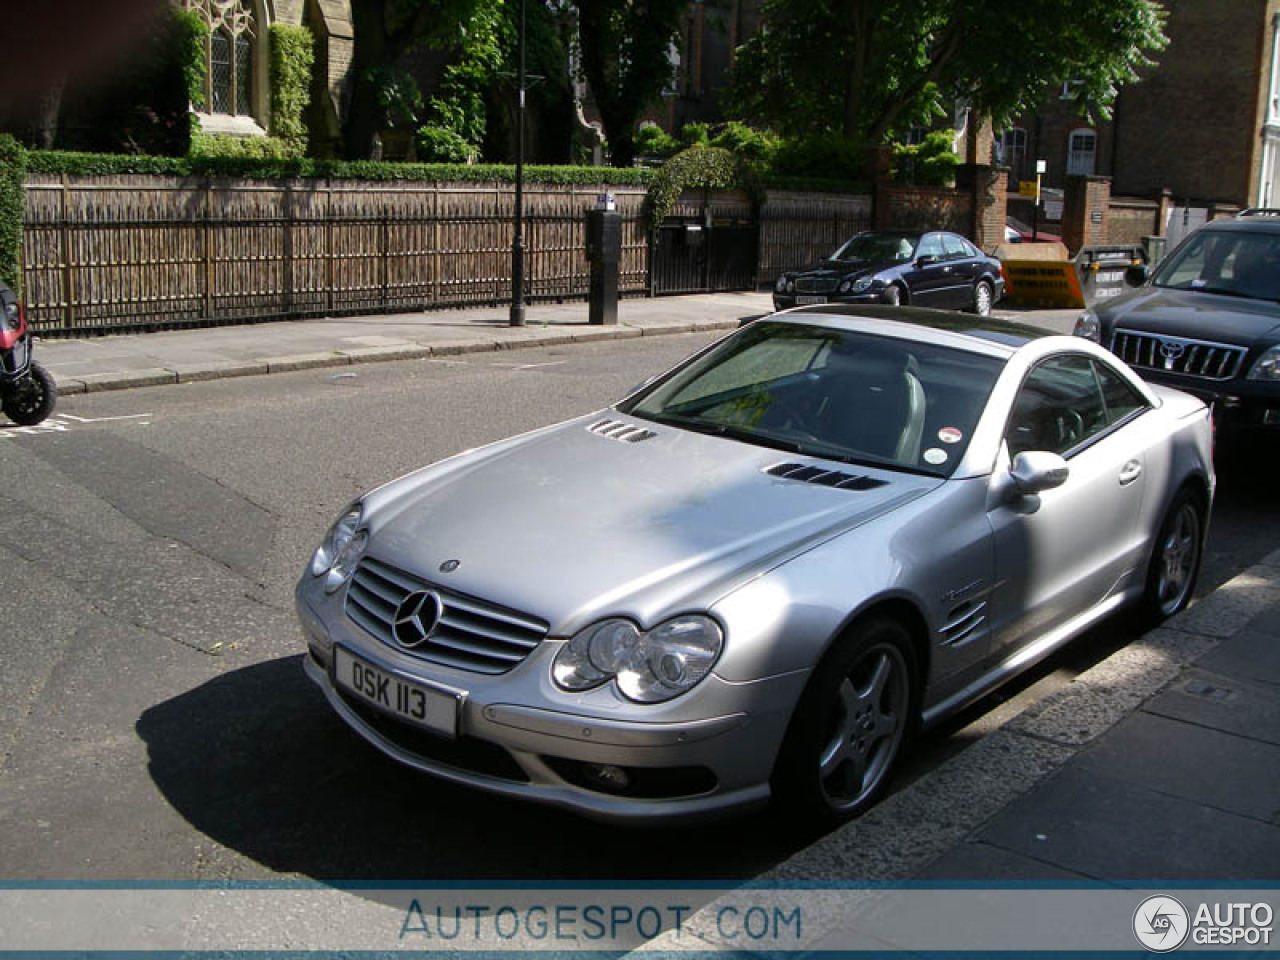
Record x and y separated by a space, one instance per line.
705 251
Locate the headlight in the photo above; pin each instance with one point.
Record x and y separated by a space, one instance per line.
1089 327
861 284
844 286
343 546
781 285
648 666
1268 365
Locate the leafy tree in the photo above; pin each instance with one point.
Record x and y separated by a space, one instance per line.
386 30
625 47
883 65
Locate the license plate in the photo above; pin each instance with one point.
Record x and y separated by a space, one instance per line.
803 300
1112 277
420 704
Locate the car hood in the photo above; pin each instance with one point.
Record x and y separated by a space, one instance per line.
569 525
844 268
1194 315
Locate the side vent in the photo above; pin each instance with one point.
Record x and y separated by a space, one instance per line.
616 430
963 622
806 473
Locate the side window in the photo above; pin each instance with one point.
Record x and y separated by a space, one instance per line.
1120 399
1059 407
930 246
956 248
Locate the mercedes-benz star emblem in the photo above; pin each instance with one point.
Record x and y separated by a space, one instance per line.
449 566
416 618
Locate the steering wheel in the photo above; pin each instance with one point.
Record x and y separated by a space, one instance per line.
786 416
1070 428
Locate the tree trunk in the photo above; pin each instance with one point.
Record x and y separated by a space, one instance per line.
48 108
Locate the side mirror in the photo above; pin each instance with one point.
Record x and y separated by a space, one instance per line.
1034 471
1136 275
927 260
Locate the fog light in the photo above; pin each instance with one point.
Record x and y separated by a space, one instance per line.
606 776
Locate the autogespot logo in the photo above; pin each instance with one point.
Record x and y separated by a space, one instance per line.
1161 924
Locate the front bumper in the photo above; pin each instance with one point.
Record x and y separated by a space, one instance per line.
519 736
783 301
1238 405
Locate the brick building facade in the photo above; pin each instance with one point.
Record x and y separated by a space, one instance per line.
1204 124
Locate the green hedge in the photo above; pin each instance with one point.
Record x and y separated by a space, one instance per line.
12 207
103 164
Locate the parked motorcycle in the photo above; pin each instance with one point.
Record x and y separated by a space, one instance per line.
27 391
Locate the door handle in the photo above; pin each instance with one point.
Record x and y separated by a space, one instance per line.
1130 472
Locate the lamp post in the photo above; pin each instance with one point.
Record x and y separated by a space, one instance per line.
517 242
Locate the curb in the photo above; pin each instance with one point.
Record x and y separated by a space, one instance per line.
909 829
525 339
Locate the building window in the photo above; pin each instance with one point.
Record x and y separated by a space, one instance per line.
1082 148
229 79
1011 151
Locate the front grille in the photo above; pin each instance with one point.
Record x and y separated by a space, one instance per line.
806 473
470 634
815 284
1192 358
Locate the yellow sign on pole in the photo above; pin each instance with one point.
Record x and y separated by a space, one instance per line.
1028 188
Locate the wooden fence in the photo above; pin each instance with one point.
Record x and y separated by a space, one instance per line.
109 254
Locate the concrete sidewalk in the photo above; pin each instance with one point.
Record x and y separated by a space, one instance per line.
150 359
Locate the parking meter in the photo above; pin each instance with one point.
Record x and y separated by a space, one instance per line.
604 251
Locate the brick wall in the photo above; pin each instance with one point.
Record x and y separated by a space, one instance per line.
1085 209
905 207
1130 219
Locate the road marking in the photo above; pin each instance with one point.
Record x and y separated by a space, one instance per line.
63 422
529 366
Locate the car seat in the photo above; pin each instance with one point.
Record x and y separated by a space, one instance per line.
876 403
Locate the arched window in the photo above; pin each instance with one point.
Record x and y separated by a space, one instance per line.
1082 149
229 65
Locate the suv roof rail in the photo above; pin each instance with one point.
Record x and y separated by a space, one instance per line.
1260 212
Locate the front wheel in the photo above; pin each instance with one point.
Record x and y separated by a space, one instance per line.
982 298
850 726
32 397
893 295
1175 560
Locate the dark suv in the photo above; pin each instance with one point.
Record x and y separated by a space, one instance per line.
1207 320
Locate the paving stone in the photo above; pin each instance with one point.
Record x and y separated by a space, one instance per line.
1185 760
981 861
1224 703
1109 829
1249 655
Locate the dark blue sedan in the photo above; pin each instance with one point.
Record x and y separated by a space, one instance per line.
924 269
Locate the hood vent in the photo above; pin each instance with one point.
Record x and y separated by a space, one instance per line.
806 473
617 430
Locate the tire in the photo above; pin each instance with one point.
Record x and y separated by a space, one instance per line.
1175 560
893 295
982 298
851 725
32 397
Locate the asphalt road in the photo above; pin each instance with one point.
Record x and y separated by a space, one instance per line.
154 719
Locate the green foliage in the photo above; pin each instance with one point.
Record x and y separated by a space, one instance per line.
12 208
101 164
895 63
443 145
624 47
292 56
191 32
755 146
825 155
398 96
695 135
653 141
929 163
225 146
707 168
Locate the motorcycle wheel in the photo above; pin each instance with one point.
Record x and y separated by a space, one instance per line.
32 397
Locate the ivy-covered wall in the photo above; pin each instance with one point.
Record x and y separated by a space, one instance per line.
12 203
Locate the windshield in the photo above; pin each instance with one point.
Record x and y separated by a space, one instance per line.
1235 263
853 397
876 246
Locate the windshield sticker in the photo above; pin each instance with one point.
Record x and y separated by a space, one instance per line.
950 435
935 456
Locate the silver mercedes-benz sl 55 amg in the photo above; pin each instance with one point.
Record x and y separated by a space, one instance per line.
760 573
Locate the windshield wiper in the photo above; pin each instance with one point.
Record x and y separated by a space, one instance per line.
729 430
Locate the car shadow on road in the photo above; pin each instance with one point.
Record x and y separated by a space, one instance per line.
256 760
